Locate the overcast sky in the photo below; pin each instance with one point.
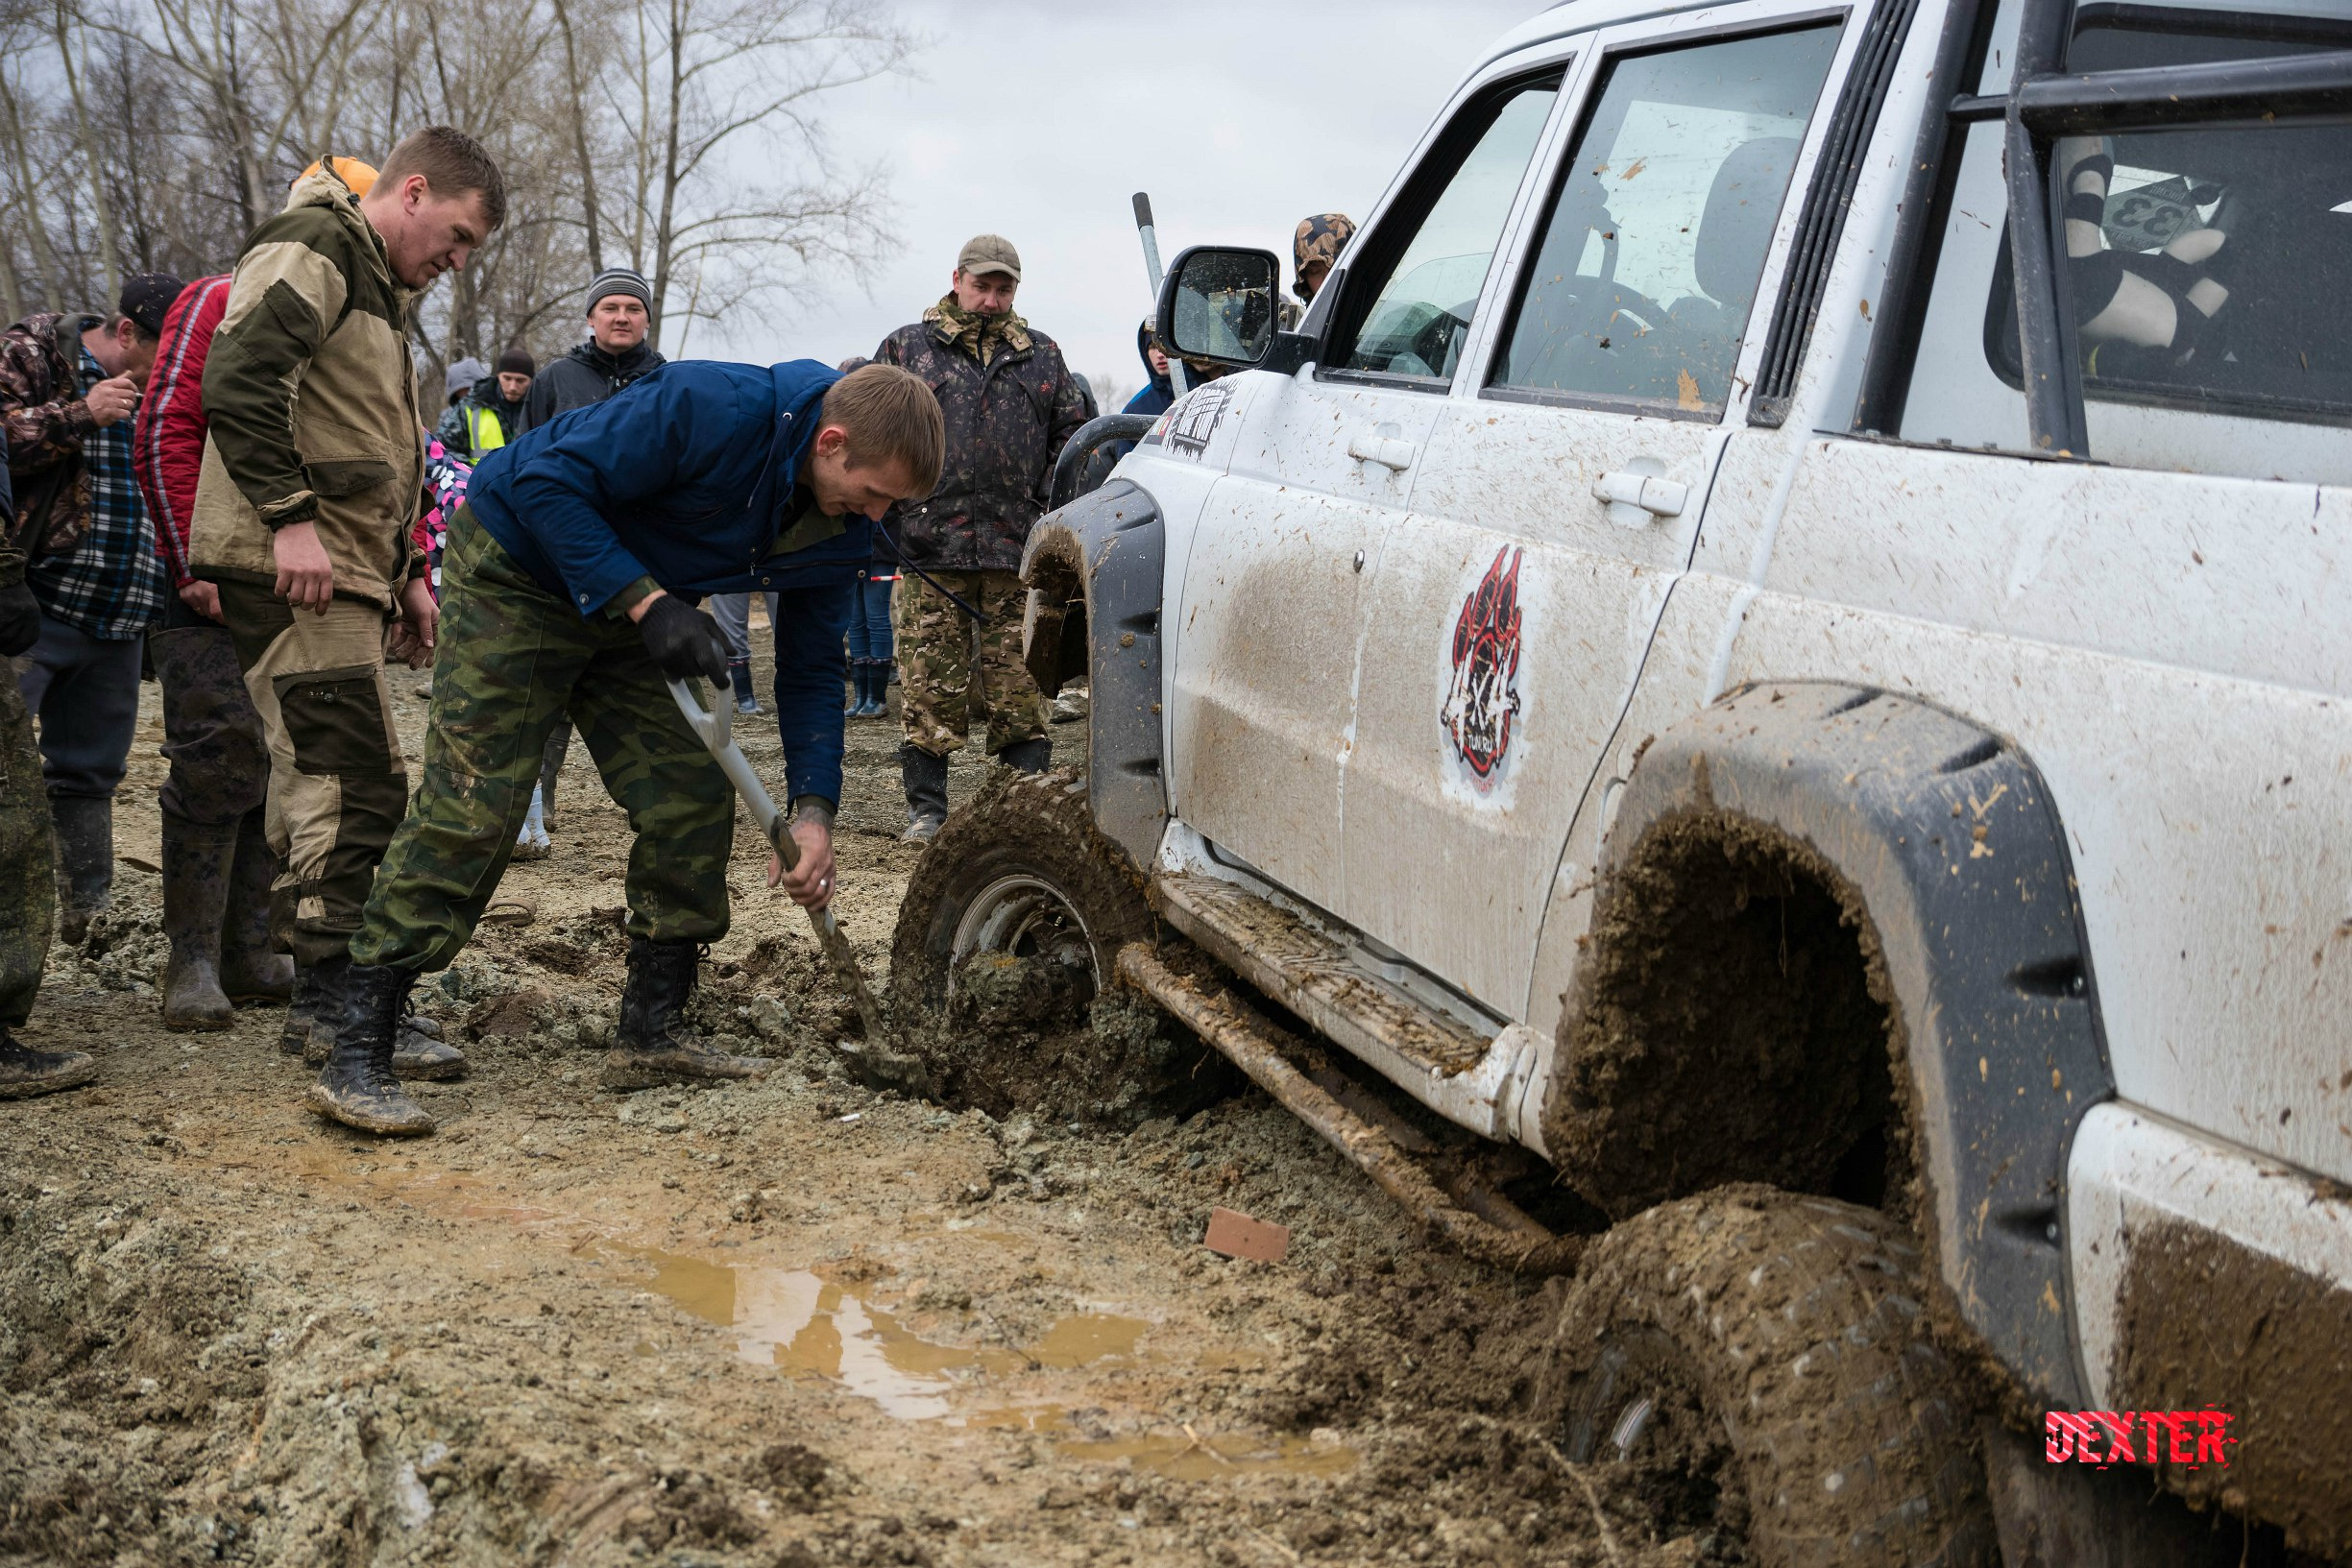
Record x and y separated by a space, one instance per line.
1038 119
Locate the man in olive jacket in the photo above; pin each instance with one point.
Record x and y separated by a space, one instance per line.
1010 404
312 472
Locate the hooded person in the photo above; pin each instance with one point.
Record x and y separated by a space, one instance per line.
1158 391
1315 249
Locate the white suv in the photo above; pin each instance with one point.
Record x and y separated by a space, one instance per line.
1780 639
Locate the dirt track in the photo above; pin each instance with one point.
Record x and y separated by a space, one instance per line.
786 1324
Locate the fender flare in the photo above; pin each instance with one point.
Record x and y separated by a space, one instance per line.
1952 853
1101 557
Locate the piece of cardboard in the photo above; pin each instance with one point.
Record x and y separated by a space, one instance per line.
1236 1235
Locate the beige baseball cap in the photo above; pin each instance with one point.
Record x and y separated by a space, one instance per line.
984 254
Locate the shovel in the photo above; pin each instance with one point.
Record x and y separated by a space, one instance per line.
873 1063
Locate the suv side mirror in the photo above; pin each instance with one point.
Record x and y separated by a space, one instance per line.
1218 304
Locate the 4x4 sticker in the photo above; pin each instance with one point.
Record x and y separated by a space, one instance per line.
1482 699
1192 421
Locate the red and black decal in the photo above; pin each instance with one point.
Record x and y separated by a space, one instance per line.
1482 702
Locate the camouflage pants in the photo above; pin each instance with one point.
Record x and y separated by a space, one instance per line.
948 667
513 658
28 883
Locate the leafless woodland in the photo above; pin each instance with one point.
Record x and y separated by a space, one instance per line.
684 137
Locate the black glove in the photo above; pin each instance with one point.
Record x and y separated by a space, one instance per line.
682 641
21 619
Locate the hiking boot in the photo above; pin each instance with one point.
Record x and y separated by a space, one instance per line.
356 1087
197 860
656 1045
418 1048
1070 705
86 862
251 970
1028 755
925 776
25 1072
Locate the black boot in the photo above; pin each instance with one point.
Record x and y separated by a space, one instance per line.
251 969
197 858
1028 755
86 862
356 1087
25 1072
418 1050
303 1027
926 780
738 676
657 1045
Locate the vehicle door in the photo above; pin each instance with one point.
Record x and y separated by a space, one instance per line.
1565 478
1322 467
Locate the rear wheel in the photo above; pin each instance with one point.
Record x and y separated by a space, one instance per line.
1757 1361
1008 937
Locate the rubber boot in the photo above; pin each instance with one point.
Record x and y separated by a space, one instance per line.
1028 755
86 862
197 860
926 780
656 1045
356 1087
251 970
875 683
25 1072
739 675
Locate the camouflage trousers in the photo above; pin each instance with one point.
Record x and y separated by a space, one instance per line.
512 660
28 882
948 669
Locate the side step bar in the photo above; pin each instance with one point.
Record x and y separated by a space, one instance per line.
1462 1208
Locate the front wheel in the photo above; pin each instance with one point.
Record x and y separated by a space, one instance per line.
1008 937
1758 1360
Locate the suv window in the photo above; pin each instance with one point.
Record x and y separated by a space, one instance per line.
1641 285
2209 266
1433 261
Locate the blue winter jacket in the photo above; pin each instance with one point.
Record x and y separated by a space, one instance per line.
684 476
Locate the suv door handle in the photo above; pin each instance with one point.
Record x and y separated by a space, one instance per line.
1366 447
1633 498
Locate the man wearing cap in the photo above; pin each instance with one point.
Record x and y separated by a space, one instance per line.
617 351
69 388
1010 404
487 412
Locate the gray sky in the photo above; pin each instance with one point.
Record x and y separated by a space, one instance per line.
1039 118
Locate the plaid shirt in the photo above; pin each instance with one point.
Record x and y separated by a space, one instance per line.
111 584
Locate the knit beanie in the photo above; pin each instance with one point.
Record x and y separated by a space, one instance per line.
518 362
626 280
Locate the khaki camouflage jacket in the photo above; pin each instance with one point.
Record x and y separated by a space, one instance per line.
46 418
1011 402
313 400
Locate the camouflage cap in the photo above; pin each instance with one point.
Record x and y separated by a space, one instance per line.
1318 238
984 254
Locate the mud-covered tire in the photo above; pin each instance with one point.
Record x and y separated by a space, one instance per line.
1768 1351
1022 869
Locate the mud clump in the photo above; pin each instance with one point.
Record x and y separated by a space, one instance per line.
1730 1024
1023 1044
998 990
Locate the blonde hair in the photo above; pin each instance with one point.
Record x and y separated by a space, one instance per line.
889 414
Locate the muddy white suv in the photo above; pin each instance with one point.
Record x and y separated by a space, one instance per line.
1780 639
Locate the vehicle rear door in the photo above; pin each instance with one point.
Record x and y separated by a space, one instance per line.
1565 477
1322 467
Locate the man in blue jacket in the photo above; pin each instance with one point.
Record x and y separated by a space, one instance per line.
568 578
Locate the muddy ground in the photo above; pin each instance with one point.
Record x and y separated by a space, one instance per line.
792 1323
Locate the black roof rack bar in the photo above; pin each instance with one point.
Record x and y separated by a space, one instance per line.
2037 246
2300 86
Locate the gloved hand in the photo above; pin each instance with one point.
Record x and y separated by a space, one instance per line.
20 618
682 641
